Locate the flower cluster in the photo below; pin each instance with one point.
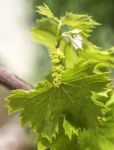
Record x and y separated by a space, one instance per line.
57 69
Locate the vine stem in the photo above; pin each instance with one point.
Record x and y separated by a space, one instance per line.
12 81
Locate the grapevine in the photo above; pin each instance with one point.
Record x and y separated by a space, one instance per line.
74 109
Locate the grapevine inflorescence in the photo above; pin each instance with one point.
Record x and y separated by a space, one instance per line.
57 58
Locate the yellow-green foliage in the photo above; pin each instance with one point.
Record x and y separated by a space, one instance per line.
74 109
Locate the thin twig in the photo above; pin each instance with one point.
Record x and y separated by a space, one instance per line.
11 81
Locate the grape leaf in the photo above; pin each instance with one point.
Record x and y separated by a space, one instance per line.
45 11
44 106
93 140
103 137
82 22
61 142
89 52
45 32
70 56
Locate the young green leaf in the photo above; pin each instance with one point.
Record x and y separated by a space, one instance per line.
45 11
45 32
82 22
44 106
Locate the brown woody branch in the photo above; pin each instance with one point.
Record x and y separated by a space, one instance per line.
11 81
